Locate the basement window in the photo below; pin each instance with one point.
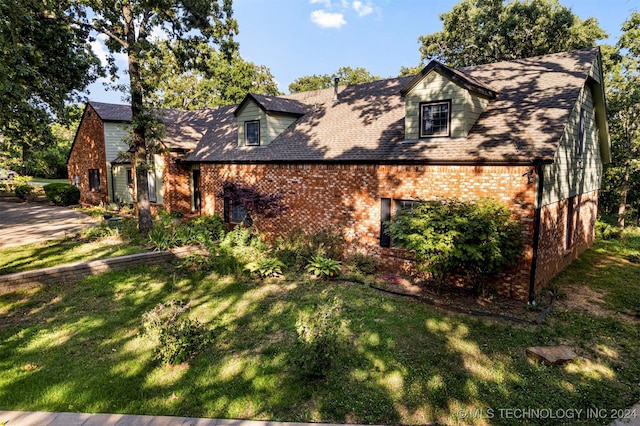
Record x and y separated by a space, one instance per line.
252 132
435 119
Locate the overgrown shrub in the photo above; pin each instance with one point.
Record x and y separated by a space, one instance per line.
62 194
477 238
361 263
179 337
605 231
24 191
323 267
297 247
317 342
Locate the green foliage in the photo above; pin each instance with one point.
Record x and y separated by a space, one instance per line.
317 341
266 267
62 194
24 191
606 231
297 247
323 267
347 75
361 263
169 231
485 31
477 238
179 337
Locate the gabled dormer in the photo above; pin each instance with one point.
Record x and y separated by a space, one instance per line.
441 102
262 118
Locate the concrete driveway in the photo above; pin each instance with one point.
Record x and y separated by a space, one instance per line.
25 223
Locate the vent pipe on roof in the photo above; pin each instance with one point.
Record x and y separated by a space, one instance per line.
336 80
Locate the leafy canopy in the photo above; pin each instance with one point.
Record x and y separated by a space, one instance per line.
455 236
484 31
347 75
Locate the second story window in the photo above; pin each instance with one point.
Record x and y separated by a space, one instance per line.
252 132
435 118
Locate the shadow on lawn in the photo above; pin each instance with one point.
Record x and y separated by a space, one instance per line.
77 348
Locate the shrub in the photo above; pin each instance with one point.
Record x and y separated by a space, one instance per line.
179 337
317 340
361 263
297 246
266 267
323 267
62 194
476 238
23 191
606 231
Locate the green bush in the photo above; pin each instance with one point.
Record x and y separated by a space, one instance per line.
323 267
179 337
317 343
266 267
297 247
24 191
361 263
62 194
475 238
605 231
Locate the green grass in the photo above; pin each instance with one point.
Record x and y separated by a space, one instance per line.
53 253
79 348
46 180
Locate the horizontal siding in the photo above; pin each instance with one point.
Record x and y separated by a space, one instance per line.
123 194
569 174
465 107
250 112
115 135
277 124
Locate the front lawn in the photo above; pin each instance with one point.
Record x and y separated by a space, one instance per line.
80 348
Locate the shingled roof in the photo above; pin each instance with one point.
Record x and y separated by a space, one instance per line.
184 129
524 123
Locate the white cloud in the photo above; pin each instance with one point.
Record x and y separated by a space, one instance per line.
362 9
325 3
327 20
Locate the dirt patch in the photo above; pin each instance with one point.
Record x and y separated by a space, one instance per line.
460 300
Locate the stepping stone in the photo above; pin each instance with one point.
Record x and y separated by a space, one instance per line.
551 355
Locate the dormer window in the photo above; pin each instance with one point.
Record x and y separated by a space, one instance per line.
435 119
252 132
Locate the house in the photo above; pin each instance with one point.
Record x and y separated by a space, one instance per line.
99 165
531 133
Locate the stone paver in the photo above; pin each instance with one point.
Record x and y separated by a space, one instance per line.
25 223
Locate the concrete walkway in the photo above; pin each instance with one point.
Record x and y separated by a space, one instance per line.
25 223
25 418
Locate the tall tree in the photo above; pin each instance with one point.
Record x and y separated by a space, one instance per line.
213 81
623 102
347 75
131 28
484 31
45 64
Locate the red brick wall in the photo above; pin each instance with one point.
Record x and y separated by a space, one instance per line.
553 256
348 197
89 153
176 187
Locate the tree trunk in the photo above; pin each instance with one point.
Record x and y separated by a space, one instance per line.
624 190
141 154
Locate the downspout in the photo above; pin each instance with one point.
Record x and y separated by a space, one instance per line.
113 185
536 232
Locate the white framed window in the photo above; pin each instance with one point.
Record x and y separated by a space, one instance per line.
435 119
252 132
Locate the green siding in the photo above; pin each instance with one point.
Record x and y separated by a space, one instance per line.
571 174
250 112
123 194
115 135
277 124
466 107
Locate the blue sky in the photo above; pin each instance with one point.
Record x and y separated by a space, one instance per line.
294 38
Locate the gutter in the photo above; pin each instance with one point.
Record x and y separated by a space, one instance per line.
536 232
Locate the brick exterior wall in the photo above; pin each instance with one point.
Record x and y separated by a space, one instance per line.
176 184
88 152
554 254
348 197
